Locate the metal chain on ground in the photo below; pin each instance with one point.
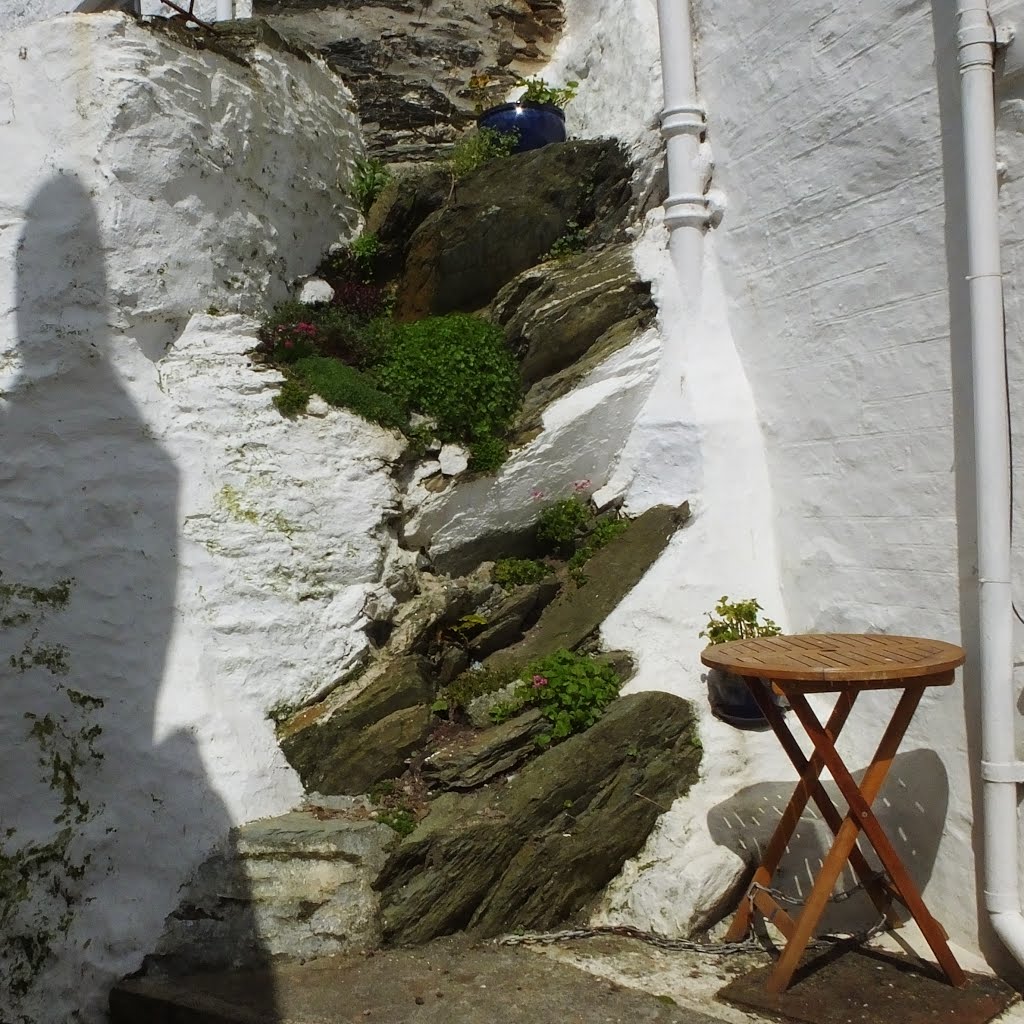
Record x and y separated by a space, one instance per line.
751 945
839 897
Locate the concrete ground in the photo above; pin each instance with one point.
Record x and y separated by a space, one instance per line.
446 982
605 979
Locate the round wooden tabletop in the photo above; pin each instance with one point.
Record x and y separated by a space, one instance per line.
835 657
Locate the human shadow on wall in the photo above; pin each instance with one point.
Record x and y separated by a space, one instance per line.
911 808
90 501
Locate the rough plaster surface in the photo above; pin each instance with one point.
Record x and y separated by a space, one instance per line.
842 263
217 557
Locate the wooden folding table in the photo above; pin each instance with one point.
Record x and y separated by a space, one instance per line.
844 664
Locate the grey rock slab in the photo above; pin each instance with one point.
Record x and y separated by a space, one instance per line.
611 574
295 885
345 752
496 750
506 621
447 982
504 217
535 850
553 314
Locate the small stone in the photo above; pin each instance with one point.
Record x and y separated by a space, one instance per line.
317 406
315 290
420 1000
417 420
453 459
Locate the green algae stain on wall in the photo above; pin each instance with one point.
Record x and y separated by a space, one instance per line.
41 877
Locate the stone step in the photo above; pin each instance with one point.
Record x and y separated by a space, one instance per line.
447 982
297 886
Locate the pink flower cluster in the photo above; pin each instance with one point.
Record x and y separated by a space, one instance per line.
304 330
539 681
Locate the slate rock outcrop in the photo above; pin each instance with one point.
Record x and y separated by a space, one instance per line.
534 851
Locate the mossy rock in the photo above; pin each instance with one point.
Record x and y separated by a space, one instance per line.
536 851
505 217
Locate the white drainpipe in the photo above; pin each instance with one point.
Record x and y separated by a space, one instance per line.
682 123
225 11
1001 770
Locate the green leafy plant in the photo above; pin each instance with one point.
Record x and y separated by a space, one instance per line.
458 370
515 572
737 620
466 687
573 241
364 251
339 385
478 147
398 818
570 690
560 524
371 177
536 90
487 454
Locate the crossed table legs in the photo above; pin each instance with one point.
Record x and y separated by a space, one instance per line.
858 819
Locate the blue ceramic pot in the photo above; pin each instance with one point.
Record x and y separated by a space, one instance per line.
536 124
732 701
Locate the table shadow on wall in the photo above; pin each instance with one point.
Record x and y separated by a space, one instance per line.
911 808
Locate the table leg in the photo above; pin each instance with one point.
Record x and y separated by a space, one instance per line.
806 788
861 817
809 772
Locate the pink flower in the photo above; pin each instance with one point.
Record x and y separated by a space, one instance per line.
581 485
539 681
536 495
289 344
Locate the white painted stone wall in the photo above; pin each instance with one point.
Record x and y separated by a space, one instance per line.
21 12
217 557
837 278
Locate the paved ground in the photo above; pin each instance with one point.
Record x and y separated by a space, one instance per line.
447 982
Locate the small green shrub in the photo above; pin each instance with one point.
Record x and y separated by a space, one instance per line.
603 534
371 177
294 330
515 572
560 524
456 369
573 241
538 91
570 690
364 251
737 620
398 818
479 147
466 687
487 454
293 397
347 388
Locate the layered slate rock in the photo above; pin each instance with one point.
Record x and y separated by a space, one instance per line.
409 62
298 885
505 217
369 738
555 312
611 574
485 756
533 852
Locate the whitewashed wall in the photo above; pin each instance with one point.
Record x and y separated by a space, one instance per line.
210 559
837 277
836 135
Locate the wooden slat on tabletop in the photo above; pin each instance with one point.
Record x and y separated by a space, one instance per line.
836 657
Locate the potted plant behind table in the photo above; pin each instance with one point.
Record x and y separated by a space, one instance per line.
537 117
730 695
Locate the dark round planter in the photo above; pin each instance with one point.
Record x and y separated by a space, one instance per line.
536 124
732 701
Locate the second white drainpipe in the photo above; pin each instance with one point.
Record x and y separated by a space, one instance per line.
225 10
1001 770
